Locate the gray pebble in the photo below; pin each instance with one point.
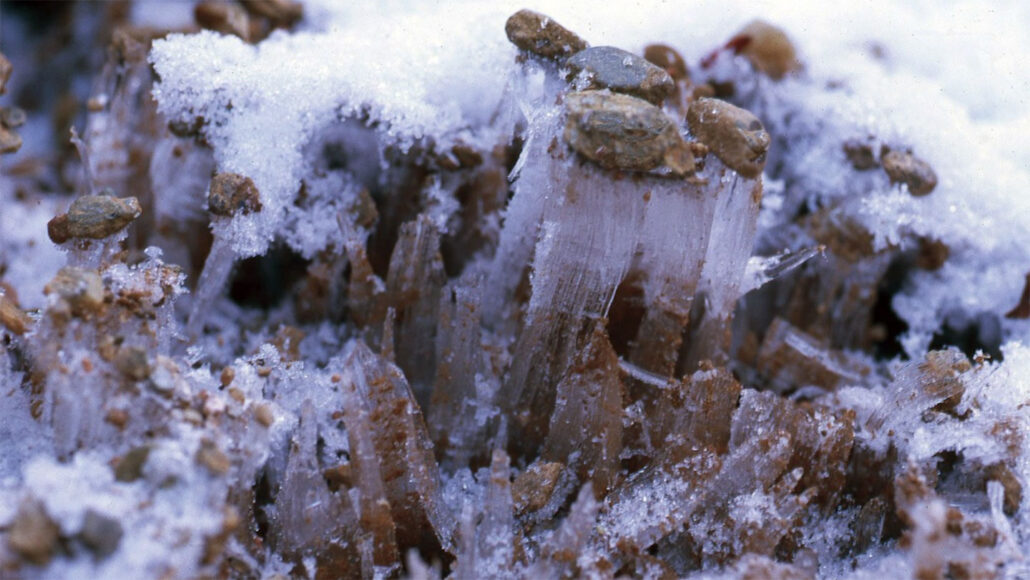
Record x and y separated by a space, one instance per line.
607 67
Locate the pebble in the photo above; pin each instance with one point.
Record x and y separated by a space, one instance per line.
5 72
541 35
532 489
860 155
33 534
212 458
82 290
95 217
10 142
232 193
264 415
281 13
768 48
100 533
12 317
666 57
12 117
130 467
622 132
906 168
223 17
733 134
607 67
132 363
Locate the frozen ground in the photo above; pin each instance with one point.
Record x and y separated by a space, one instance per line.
442 341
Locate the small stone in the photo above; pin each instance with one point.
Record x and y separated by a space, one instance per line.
10 142
12 317
906 168
607 67
767 47
231 193
117 417
1013 489
224 17
33 534
227 376
1022 309
132 363
932 254
130 467
100 533
82 290
12 117
340 476
280 12
212 458
95 217
5 73
622 132
733 134
542 36
164 376
532 489
860 155
667 58
263 414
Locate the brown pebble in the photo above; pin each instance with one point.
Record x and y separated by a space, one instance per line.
227 376
623 132
608 67
932 254
666 57
467 156
339 476
231 193
279 12
130 466
82 290
860 155
1013 489
95 217
12 117
10 142
212 458
5 73
236 395
541 35
1022 309
132 363
733 134
767 47
117 417
532 489
702 91
12 317
906 168
224 17
33 534
100 533
264 415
